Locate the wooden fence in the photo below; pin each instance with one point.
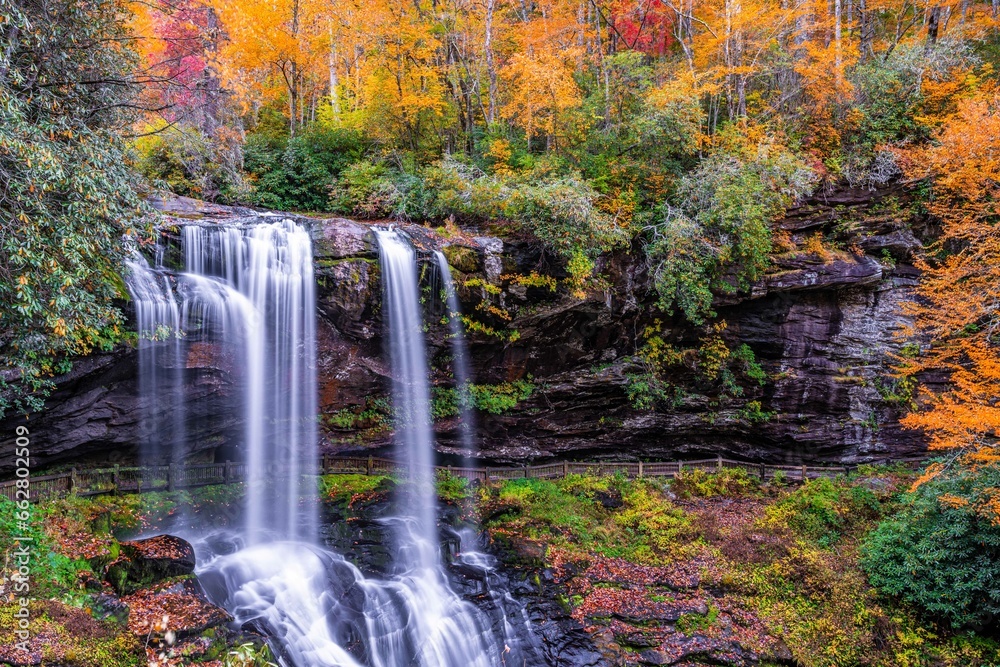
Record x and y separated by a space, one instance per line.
168 478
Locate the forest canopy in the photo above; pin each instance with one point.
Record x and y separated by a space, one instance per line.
691 126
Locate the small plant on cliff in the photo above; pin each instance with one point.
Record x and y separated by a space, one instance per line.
667 373
499 398
694 623
717 234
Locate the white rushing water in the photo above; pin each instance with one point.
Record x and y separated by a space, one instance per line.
460 357
251 291
270 264
404 327
160 370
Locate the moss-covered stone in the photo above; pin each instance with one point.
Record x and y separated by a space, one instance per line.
463 258
143 563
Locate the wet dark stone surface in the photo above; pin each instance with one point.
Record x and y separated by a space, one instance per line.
822 328
525 595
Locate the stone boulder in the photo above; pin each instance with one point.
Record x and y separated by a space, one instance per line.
143 563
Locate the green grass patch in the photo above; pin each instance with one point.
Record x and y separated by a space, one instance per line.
340 489
611 516
699 483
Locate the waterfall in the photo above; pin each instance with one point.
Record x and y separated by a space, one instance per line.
271 266
250 291
404 324
460 357
160 369
319 609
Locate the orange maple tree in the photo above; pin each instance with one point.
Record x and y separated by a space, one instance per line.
957 306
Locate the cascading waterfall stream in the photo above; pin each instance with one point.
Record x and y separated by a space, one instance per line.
270 265
160 338
410 389
460 357
251 292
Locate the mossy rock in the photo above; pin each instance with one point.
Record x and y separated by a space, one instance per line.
143 563
463 258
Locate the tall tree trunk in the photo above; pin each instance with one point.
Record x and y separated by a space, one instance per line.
867 29
491 68
293 85
292 107
933 22
334 81
837 36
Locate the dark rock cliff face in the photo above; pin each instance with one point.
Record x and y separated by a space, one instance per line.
821 324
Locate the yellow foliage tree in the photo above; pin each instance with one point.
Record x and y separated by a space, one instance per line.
958 301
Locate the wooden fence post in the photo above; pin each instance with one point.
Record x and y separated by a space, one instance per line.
170 478
640 469
565 469
72 479
763 472
115 479
718 462
229 472
804 474
368 466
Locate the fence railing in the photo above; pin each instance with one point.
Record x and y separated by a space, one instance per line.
119 479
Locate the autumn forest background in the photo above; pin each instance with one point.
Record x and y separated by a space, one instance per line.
679 131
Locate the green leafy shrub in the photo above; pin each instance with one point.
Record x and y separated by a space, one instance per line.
452 488
717 234
941 551
665 373
499 398
184 160
825 510
700 483
371 190
888 107
560 210
340 489
70 196
375 415
445 403
654 529
249 655
296 173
